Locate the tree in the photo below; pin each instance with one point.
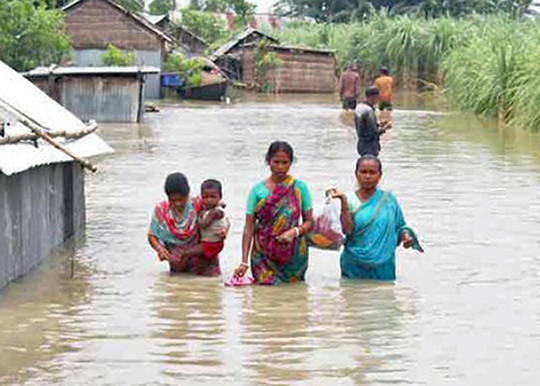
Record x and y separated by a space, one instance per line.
357 10
31 34
161 7
208 26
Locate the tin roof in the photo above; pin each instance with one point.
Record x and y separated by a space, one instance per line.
141 20
21 101
99 70
238 39
297 48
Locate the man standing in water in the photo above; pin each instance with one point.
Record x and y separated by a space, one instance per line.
349 84
385 84
367 127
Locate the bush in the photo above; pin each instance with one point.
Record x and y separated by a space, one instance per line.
116 57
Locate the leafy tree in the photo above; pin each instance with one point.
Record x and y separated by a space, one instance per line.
206 25
31 34
114 56
161 7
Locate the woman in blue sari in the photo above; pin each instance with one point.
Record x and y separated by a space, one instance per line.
374 226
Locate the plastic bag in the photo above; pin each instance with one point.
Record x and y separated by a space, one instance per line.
326 232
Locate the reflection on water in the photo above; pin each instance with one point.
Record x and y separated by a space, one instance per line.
459 314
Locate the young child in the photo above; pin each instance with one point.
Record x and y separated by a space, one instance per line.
212 223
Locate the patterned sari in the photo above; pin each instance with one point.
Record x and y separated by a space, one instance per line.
273 262
177 232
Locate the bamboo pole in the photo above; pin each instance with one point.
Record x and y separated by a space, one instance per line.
11 139
37 129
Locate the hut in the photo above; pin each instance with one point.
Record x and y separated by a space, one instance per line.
42 201
301 69
229 57
104 94
94 24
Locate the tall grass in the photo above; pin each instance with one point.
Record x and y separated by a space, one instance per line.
489 65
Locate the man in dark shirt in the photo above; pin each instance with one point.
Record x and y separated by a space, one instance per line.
366 124
349 84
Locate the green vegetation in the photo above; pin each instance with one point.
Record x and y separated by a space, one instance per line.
266 63
360 10
489 65
116 57
31 34
207 25
161 7
189 69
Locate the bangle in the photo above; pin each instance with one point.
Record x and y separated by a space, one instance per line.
242 264
297 231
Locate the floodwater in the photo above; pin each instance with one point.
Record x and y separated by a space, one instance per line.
467 312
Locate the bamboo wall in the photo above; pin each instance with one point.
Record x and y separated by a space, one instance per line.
96 23
301 72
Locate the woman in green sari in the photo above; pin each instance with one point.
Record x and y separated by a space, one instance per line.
279 213
374 226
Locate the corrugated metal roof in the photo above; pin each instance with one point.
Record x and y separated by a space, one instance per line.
101 70
31 102
138 18
237 40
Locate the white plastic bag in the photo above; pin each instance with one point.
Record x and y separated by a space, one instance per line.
326 232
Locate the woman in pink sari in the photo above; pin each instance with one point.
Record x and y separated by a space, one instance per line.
278 215
174 229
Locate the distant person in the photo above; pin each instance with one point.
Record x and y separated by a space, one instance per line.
367 126
385 83
349 83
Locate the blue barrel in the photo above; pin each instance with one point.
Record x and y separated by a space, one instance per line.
171 80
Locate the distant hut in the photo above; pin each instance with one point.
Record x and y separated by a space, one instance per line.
94 24
229 57
42 201
303 69
104 94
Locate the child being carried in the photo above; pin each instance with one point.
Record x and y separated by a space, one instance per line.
212 223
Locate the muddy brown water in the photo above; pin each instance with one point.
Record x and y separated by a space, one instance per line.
467 312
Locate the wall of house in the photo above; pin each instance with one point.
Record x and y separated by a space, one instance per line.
102 98
300 72
94 24
105 99
92 58
39 210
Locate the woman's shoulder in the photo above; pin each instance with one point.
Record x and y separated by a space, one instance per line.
301 184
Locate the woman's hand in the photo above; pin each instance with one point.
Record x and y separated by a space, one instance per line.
241 270
406 239
222 234
335 193
288 236
163 253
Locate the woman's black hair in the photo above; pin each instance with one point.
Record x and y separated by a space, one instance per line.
368 157
211 184
278 146
176 183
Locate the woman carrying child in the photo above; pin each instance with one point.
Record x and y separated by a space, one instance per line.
278 215
174 232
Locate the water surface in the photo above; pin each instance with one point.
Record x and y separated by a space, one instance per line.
467 312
